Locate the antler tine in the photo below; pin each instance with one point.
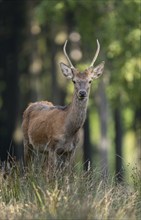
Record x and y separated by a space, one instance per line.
96 54
64 49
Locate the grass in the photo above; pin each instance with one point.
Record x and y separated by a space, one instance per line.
81 196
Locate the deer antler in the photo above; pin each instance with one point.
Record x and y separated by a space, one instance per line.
96 54
64 49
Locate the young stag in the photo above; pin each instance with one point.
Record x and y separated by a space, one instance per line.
53 130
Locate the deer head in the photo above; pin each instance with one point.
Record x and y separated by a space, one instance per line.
82 80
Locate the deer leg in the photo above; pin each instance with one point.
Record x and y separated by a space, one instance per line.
51 164
64 160
28 152
69 161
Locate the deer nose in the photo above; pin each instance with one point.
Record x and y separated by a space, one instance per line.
82 94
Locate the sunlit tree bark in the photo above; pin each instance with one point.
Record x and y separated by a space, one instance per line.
118 143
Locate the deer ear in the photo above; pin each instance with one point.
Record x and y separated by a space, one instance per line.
67 71
98 70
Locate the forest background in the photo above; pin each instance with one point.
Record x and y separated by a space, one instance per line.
32 34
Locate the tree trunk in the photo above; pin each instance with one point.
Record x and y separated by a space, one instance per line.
87 153
54 84
118 144
11 21
103 117
137 128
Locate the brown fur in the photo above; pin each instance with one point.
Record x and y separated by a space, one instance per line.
54 130
44 130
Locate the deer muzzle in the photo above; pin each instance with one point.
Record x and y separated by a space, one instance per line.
82 94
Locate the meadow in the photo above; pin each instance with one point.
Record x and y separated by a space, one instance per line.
83 195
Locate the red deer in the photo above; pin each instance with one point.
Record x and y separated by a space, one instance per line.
54 130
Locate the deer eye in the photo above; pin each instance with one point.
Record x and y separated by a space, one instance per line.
90 81
74 81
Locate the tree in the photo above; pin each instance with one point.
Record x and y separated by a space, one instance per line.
119 33
11 17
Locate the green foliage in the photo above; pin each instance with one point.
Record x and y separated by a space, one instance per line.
116 25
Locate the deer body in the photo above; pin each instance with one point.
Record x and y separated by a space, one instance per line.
54 129
46 125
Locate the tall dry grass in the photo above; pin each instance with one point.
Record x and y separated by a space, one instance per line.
78 196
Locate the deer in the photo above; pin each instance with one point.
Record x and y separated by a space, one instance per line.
54 130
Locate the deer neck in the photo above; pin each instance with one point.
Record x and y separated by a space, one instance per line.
76 115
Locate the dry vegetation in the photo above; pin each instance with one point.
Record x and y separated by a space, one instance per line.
83 196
